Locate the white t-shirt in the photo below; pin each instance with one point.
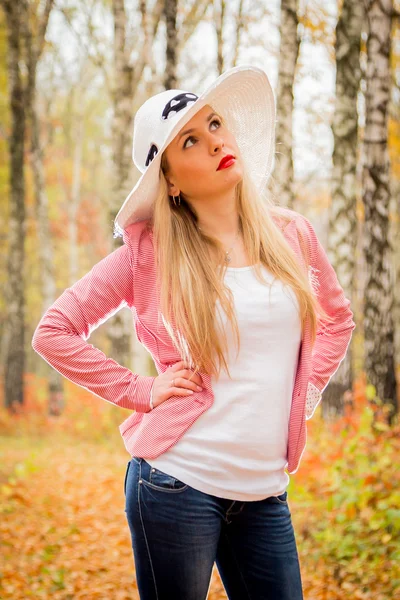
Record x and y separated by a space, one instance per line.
237 449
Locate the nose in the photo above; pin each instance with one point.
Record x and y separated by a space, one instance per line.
216 144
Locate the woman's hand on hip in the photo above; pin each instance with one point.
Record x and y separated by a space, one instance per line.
175 381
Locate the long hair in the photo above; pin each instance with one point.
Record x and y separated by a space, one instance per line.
190 270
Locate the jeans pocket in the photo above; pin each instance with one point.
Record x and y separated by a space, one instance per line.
282 499
158 480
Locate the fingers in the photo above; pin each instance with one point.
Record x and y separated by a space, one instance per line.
181 382
181 369
186 383
180 391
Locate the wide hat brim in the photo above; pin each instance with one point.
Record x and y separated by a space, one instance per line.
243 96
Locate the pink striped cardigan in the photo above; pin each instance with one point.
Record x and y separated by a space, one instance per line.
127 277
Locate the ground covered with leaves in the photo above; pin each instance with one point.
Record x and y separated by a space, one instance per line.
63 529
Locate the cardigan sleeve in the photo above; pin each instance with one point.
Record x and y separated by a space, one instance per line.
60 337
332 340
313 398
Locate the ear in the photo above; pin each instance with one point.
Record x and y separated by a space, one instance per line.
173 190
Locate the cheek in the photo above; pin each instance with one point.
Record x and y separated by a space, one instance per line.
193 172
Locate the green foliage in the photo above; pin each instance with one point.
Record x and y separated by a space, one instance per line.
353 489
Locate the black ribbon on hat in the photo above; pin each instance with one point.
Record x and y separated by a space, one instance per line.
177 103
152 153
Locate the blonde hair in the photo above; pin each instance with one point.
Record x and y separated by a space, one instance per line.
190 270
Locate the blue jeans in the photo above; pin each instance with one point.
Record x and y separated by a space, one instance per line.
178 532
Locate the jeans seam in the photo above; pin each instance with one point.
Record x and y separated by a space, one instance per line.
233 514
165 490
237 564
158 488
126 476
144 531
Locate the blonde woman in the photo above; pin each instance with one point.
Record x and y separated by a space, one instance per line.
243 314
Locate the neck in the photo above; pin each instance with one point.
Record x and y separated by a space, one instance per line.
218 216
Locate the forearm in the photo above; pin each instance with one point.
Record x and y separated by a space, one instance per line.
60 337
90 368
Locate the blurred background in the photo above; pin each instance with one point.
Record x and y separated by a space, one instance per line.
72 75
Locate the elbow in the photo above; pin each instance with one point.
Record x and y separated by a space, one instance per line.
350 319
346 318
44 339
39 341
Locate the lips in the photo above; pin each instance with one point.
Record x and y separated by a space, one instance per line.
227 161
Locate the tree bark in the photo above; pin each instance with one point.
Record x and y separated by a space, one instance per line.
14 360
379 283
342 239
126 80
219 18
45 247
238 33
170 10
282 180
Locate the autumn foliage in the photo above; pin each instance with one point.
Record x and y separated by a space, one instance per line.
63 529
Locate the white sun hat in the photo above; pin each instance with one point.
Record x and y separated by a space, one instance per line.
243 96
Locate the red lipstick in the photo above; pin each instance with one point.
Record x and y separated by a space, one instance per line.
227 161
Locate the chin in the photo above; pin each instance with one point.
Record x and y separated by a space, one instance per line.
235 179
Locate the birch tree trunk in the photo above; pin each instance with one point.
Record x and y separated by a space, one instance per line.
379 286
342 239
239 28
55 395
219 19
126 79
233 20
170 10
14 360
282 180
395 116
45 246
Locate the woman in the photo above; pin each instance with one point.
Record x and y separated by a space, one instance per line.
243 314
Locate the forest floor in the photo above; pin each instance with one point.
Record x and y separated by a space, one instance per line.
63 528
64 533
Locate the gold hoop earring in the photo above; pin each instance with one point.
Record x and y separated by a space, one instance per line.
179 200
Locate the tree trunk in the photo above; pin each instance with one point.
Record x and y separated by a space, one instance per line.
126 79
239 27
170 10
14 363
282 180
219 18
45 250
379 286
342 228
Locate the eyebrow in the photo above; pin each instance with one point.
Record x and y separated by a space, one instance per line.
213 114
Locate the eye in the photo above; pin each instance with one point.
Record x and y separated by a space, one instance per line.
217 121
191 137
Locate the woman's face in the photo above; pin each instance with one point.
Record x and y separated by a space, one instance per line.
194 157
